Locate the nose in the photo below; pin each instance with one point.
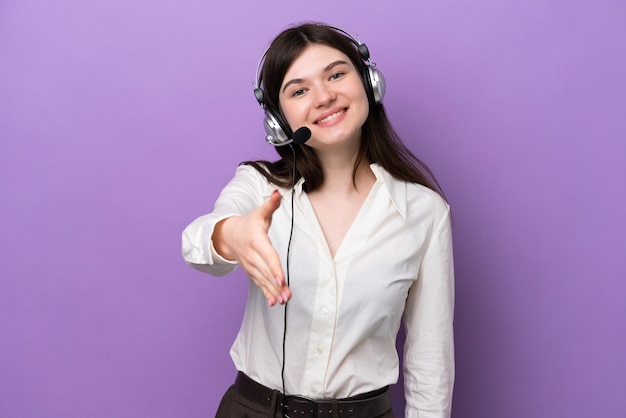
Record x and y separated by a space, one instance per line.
324 95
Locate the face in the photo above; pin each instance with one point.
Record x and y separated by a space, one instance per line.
323 91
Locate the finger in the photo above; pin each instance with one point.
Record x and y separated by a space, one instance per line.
276 286
272 299
269 262
282 296
273 295
260 273
269 257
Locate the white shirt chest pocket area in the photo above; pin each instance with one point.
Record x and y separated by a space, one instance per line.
383 280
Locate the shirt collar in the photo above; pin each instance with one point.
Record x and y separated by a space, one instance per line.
395 188
298 187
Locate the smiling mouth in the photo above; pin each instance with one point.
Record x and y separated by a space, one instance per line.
330 117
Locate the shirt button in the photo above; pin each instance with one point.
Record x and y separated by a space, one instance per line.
313 389
325 311
320 350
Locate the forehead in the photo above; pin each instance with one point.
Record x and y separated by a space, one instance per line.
313 59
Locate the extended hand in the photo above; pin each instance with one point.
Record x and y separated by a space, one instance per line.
245 239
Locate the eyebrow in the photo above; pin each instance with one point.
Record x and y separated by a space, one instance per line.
326 69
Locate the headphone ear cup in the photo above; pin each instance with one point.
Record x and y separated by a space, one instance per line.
374 85
277 131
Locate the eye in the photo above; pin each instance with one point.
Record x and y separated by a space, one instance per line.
297 93
336 76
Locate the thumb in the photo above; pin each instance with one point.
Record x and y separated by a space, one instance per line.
270 206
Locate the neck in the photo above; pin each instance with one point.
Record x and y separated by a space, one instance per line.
340 178
338 166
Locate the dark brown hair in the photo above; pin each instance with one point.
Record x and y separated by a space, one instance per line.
379 142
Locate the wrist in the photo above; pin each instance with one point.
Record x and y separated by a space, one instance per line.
219 240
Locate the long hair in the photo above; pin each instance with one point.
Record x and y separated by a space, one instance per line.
379 142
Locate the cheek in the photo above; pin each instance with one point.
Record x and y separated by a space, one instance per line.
364 108
360 97
293 114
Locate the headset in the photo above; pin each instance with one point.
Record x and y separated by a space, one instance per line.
278 131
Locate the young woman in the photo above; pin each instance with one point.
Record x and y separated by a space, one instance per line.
342 237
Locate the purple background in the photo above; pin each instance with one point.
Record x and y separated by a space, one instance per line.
120 121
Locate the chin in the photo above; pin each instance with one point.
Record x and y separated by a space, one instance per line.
336 138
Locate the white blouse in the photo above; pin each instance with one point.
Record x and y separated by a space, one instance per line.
395 262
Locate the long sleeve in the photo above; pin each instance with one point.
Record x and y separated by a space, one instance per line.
241 195
429 312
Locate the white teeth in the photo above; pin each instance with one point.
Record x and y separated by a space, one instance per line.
330 117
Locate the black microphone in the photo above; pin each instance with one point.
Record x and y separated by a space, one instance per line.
301 135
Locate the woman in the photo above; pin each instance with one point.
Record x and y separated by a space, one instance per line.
342 238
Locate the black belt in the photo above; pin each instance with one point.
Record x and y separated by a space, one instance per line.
368 405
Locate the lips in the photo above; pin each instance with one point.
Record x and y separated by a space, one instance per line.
326 119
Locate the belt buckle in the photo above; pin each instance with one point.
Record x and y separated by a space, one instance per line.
299 406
